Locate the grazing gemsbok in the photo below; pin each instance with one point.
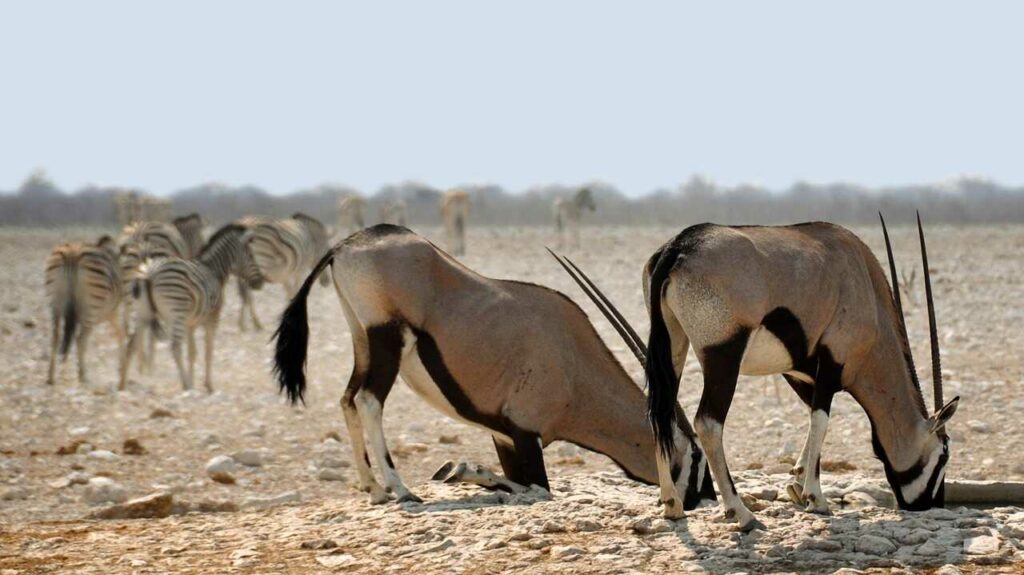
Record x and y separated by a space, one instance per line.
568 212
519 360
350 214
455 212
393 212
185 294
809 301
285 250
191 229
83 285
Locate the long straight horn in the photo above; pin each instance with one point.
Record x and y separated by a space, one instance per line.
609 311
933 331
892 274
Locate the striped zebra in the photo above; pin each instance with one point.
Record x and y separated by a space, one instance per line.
186 294
191 229
139 243
568 212
286 250
83 285
244 292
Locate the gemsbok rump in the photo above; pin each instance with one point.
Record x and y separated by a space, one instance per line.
83 285
809 301
518 360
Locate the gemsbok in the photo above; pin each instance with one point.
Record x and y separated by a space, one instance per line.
809 301
83 285
186 294
455 212
518 360
568 212
350 214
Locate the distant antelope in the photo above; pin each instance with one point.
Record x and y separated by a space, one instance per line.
569 212
185 294
518 360
83 285
455 212
286 249
350 214
191 229
393 212
809 301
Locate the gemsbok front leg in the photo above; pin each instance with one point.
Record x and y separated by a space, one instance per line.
721 365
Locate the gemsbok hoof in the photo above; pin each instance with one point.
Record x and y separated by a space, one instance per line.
795 493
751 525
409 497
444 471
379 497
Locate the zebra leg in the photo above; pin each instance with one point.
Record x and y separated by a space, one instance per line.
385 357
178 335
54 342
211 335
81 345
247 303
243 296
150 350
721 364
190 337
129 352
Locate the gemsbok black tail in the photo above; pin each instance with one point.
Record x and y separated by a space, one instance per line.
292 338
662 383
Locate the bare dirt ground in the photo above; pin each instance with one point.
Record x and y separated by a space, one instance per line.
300 492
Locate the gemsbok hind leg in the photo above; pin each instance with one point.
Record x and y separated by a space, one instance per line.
385 346
807 489
721 365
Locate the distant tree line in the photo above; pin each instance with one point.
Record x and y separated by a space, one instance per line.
37 201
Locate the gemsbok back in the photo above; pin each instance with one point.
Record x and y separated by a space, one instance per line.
518 360
809 301
83 284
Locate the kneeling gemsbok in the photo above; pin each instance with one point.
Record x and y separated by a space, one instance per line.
809 301
519 360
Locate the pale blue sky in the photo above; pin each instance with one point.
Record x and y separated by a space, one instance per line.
640 94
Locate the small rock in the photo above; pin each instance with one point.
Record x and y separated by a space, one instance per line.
931 548
449 439
209 439
220 464
981 545
159 413
330 462
330 474
552 527
151 506
101 490
248 457
79 431
17 493
565 551
132 447
979 426
84 448
948 569
103 454
875 545
319 544
647 526
587 525
256 503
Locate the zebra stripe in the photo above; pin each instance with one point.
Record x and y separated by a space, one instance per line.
286 250
191 229
84 288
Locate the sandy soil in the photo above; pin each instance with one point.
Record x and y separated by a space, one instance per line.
978 292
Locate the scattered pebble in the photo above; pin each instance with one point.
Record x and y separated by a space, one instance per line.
100 490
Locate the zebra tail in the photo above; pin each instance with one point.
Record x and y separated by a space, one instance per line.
70 307
292 338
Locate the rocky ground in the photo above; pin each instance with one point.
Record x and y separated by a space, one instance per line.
279 476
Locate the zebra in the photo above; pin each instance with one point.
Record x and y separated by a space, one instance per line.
285 250
350 214
393 212
83 285
569 212
185 294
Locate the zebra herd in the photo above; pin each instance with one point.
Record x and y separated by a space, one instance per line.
166 279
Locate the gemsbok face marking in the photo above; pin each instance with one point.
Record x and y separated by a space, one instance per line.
810 302
520 361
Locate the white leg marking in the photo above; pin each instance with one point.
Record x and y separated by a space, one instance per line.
710 433
811 494
371 412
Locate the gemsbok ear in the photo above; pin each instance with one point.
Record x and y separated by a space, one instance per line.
939 419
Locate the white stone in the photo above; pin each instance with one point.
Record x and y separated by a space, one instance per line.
330 474
101 490
220 464
981 545
103 454
979 426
